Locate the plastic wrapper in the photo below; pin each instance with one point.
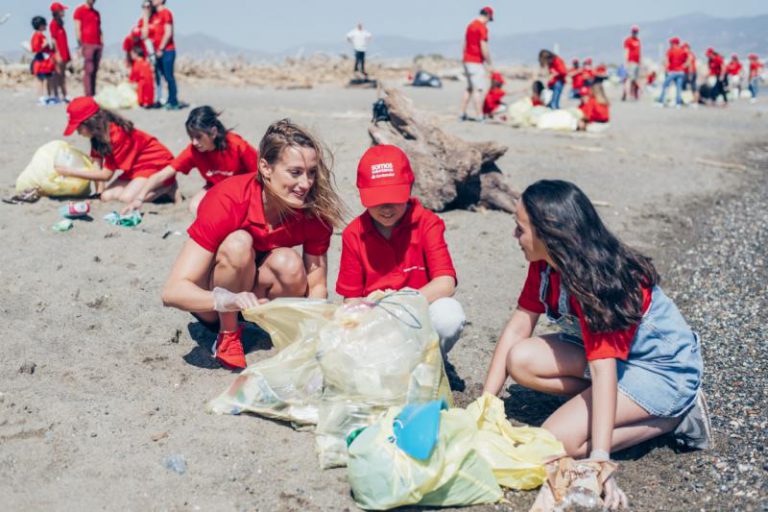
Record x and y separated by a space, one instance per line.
114 97
41 173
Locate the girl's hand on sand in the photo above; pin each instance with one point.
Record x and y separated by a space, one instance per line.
225 301
132 206
614 498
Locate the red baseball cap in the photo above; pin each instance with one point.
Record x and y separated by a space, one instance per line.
588 61
79 110
674 40
753 56
710 51
384 176
488 10
735 56
635 28
497 77
56 6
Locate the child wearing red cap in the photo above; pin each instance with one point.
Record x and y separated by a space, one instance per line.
536 90
42 63
117 146
632 48
755 68
143 76
396 243
62 56
594 106
558 72
677 58
493 104
240 247
216 152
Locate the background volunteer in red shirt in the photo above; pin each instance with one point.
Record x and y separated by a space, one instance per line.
477 63
557 72
239 251
90 42
42 62
717 77
493 103
61 57
755 68
158 27
733 74
216 152
595 106
396 243
677 58
134 40
625 354
117 146
143 76
691 79
632 50
577 78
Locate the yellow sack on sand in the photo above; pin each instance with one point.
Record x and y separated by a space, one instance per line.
516 454
41 172
288 320
114 97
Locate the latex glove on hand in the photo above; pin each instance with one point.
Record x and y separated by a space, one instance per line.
224 301
613 497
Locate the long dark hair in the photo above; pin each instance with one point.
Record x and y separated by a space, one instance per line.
545 58
204 120
98 125
604 275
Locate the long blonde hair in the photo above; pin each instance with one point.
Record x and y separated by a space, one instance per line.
599 93
322 200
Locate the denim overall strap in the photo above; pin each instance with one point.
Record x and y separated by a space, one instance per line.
544 289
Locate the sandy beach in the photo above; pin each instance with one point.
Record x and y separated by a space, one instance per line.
119 383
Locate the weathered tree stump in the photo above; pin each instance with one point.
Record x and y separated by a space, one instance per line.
450 172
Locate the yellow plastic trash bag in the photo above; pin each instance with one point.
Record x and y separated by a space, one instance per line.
382 476
121 96
516 454
287 320
41 172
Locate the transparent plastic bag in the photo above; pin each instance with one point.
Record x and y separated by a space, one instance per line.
114 97
287 320
41 172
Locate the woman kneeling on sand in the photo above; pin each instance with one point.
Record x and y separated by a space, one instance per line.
625 355
117 145
240 248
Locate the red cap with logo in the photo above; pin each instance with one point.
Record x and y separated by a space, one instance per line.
56 6
79 110
384 176
488 10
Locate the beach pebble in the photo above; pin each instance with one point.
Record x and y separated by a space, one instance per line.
28 367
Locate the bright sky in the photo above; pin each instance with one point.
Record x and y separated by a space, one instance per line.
276 25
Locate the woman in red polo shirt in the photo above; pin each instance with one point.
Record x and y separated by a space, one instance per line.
558 73
239 250
90 42
117 146
62 56
157 25
625 355
216 152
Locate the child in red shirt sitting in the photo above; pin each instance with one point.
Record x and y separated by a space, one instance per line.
538 88
143 76
396 243
594 106
493 104
42 63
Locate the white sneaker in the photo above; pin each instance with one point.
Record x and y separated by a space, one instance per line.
695 430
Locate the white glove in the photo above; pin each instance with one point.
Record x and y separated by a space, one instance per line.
613 497
225 301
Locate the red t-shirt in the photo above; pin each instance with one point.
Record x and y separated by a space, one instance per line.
559 69
493 100
137 154
237 204
59 36
536 101
594 111
676 58
690 66
415 254
602 345
588 74
134 39
90 24
215 166
733 68
716 65
157 23
477 31
632 45
577 78
754 68
39 45
144 78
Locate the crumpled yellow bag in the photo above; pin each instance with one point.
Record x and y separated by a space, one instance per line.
40 173
288 320
114 97
516 454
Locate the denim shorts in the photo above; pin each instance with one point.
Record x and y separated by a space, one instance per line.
663 370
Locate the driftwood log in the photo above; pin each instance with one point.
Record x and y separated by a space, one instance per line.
450 172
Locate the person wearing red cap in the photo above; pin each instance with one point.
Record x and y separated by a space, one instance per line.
755 69
141 74
158 26
675 69
595 107
90 42
42 63
733 74
717 77
492 104
61 57
588 72
116 145
632 64
240 247
131 41
477 62
577 79
690 82
397 243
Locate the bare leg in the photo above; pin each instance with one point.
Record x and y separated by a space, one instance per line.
549 365
282 274
465 101
114 190
477 97
195 201
235 270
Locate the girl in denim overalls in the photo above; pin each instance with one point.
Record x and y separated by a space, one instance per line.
625 354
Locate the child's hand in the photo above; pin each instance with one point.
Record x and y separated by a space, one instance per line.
63 171
132 206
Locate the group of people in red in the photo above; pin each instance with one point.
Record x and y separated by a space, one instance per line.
52 57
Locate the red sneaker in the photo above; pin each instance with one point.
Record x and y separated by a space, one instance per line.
228 349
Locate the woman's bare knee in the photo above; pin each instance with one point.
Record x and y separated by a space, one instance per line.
519 363
236 250
288 268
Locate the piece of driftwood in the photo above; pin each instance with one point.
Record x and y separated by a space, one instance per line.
450 172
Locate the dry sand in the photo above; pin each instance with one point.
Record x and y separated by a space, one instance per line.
120 382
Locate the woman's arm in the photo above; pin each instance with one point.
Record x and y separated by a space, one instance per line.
519 327
97 174
317 275
181 290
166 37
604 391
439 287
151 184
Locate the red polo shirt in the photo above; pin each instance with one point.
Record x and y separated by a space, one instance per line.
238 157
415 254
477 31
677 56
136 153
90 24
632 45
157 23
733 68
143 76
493 100
594 111
237 204
601 345
59 36
559 70
754 69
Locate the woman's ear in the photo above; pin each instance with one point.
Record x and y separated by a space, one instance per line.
265 169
